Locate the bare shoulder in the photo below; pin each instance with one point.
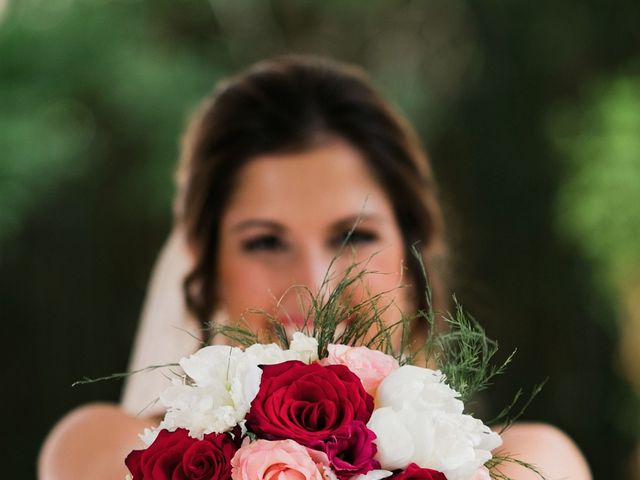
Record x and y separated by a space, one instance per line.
90 442
548 448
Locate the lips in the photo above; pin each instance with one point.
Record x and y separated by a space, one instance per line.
293 320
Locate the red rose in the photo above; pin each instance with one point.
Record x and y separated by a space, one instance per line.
414 472
177 456
307 403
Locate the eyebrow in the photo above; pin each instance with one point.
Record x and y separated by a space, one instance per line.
257 222
353 221
346 223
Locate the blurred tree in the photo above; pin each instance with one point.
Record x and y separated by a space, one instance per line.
92 97
599 205
88 68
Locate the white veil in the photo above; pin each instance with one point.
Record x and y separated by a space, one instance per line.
166 331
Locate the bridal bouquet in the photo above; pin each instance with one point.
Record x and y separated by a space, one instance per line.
340 400
267 413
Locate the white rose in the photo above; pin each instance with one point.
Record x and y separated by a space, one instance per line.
422 388
373 475
464 445
457 445
420 420
394 440
306 348
201 410
268 354
226 380
211 365
244 384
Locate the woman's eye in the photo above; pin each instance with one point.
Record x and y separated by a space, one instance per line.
263 243
357 237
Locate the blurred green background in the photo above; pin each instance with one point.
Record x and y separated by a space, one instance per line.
530 112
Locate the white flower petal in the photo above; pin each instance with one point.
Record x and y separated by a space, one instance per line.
394 441
423 388
373 475
428 415
305 347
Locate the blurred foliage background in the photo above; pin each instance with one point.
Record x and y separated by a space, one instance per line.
531 114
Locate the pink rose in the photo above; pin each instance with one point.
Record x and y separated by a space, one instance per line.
371 366
278 460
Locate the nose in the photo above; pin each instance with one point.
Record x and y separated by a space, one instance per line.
309 271
312 269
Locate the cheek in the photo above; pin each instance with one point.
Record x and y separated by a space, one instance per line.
244 286
390 264
388 275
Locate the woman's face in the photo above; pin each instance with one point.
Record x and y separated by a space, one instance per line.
287 220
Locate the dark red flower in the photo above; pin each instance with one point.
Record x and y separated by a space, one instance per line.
307 403
414 472
351 450
177 456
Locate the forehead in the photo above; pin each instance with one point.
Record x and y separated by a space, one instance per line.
326 182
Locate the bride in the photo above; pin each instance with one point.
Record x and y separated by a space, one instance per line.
276 169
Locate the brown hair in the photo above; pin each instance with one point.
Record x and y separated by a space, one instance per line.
286 104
